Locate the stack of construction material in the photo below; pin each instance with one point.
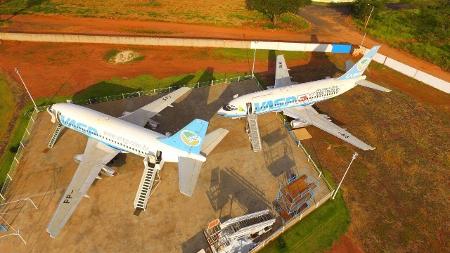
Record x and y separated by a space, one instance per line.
294 196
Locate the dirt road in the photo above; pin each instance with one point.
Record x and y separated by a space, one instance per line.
335 24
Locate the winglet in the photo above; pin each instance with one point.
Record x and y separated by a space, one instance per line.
359 68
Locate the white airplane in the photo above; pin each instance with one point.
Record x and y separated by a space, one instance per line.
109 136
296 100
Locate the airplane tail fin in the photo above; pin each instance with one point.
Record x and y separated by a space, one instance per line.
190 138
359 68
193 139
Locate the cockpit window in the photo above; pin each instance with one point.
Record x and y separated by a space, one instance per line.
229 107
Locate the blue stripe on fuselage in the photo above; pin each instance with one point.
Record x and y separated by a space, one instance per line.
89 131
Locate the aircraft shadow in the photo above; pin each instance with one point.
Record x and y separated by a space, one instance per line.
195 243
229 188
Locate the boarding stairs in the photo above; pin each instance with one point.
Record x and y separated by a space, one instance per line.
55 135
150 176
253 132
238 233
247 224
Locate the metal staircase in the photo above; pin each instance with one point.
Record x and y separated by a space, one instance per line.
240 226
55 135
238 233
253 132
149 176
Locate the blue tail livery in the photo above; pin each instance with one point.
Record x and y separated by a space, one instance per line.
190 138
359 68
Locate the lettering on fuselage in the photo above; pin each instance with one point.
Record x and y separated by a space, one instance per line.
108 138
71 123
303 99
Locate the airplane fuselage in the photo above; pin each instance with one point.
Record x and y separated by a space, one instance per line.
114 132
277 99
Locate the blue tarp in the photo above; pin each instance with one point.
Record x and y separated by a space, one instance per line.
341 48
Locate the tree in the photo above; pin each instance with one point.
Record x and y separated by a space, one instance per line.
274 8
362 8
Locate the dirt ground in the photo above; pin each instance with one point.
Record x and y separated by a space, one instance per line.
234 181
52 69
345 245
328 24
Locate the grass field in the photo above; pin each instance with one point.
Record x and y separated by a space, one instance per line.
117 86
8 111
261 55
8 101
221 13
398 194
317 231
400 29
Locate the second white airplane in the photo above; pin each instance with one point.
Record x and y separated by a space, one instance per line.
296 100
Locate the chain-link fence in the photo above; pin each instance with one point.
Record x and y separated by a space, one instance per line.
291 222
16 160
32 117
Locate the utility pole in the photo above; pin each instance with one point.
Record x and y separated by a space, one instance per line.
24 85
337 189
365 25
253 66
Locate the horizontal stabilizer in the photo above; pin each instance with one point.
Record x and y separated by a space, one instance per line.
212 140
188 172
358 69
371 85
348 65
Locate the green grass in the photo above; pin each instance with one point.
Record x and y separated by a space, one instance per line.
317 231
14 142
7 109
18 131
399 28
7 104
261 55
110 54
116 86
295 22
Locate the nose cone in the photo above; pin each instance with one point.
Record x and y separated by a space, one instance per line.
221 112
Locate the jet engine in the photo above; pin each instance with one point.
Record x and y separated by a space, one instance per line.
299 123
78 158
108 171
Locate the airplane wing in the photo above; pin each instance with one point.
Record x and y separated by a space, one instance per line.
212 140
371 85
96 155
188 172
282 77
321 121
143 114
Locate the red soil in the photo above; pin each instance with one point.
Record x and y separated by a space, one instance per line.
345 245
51 69
321 31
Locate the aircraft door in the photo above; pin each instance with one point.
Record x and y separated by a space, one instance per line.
249 108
